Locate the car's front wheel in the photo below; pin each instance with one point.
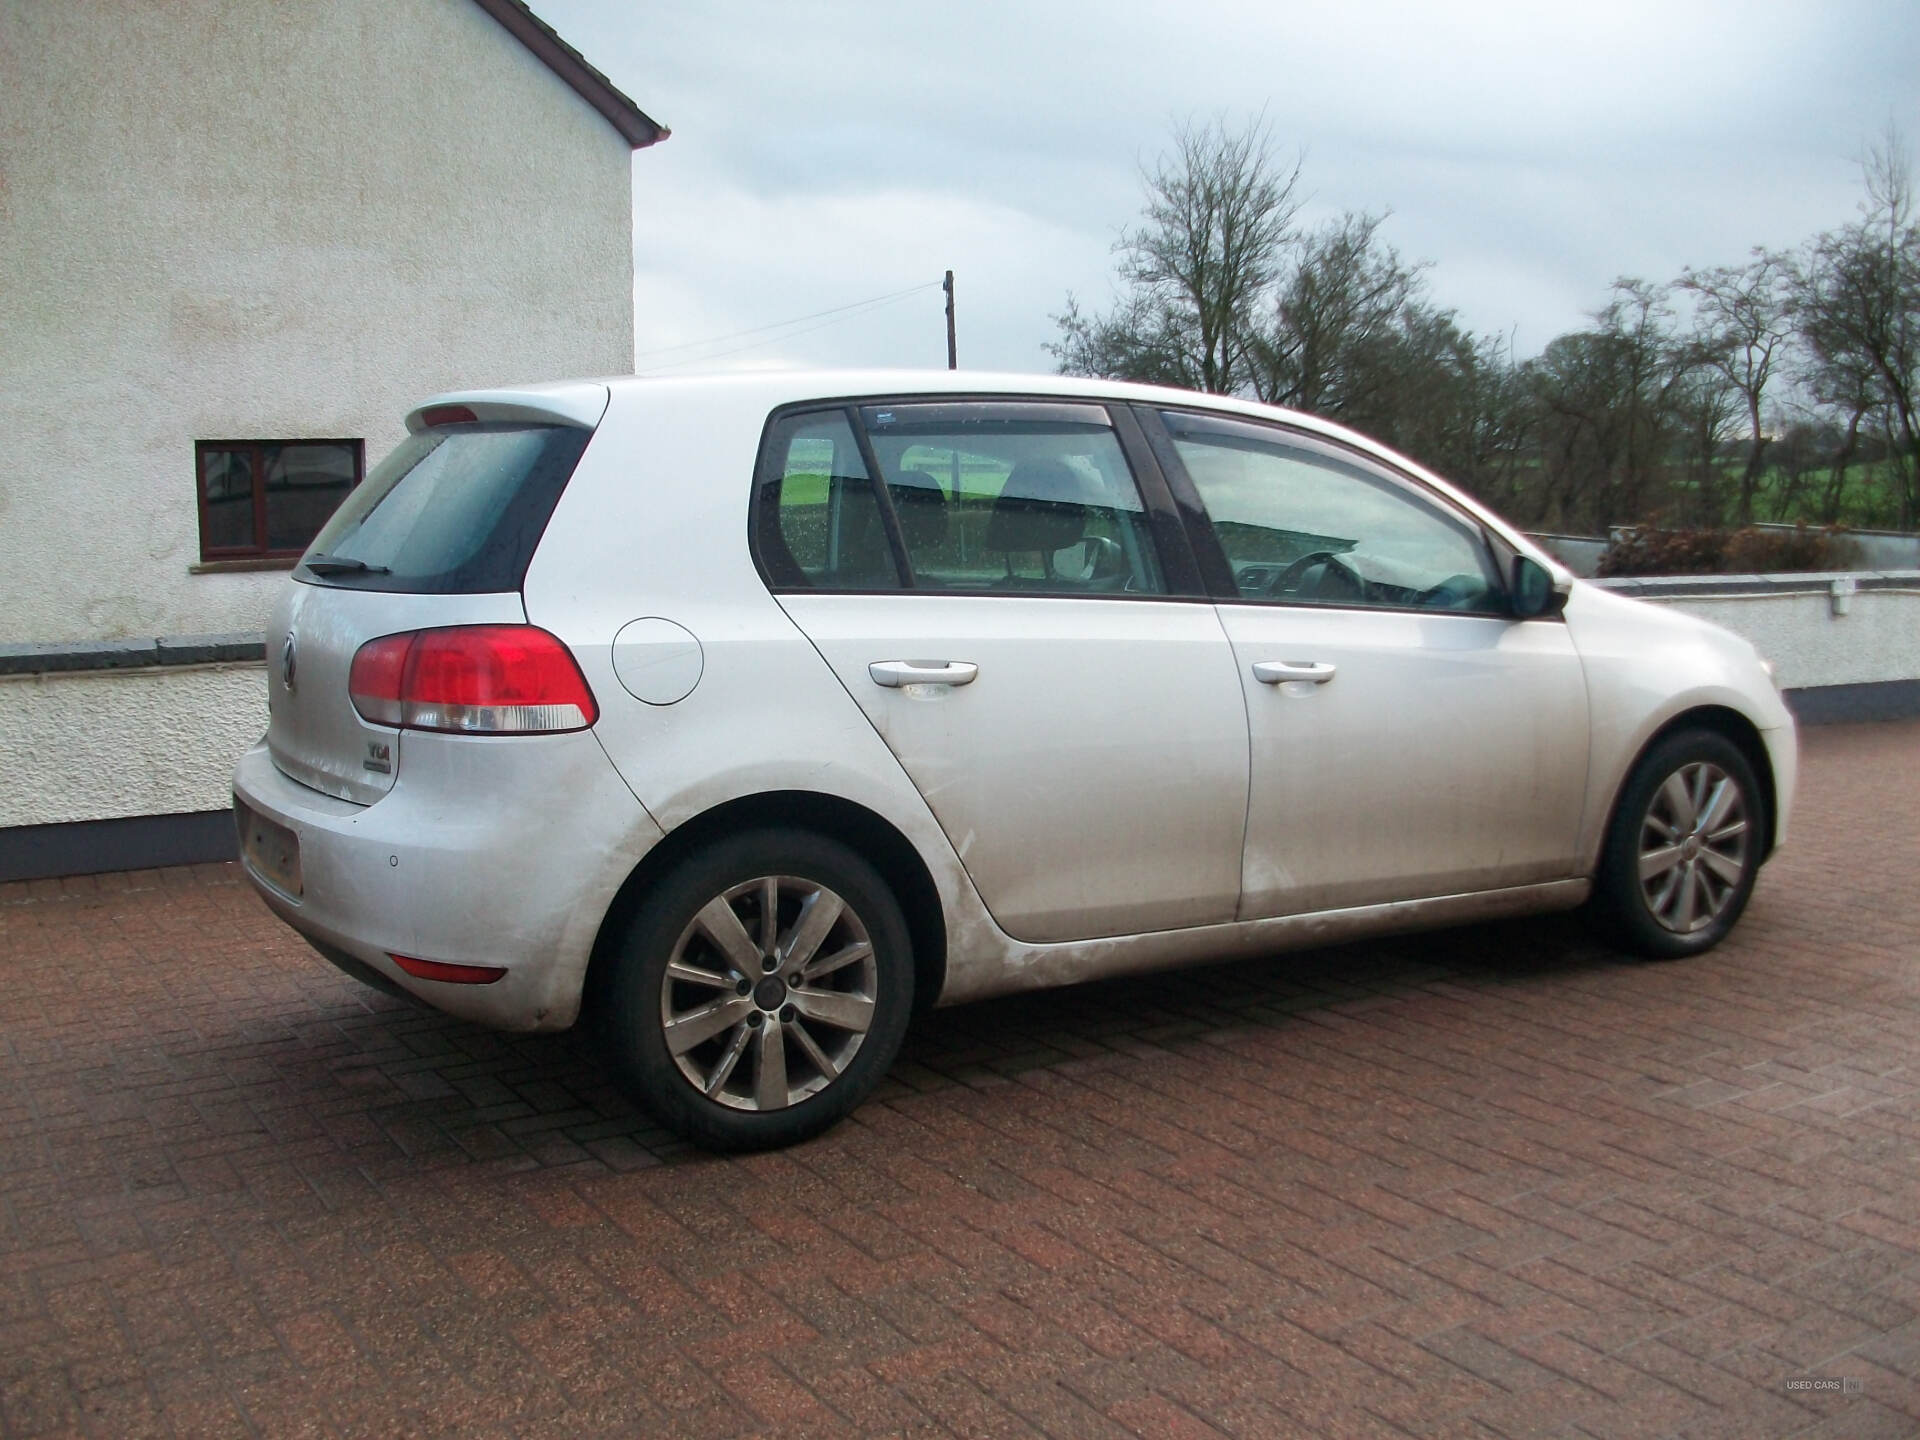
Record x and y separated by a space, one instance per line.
763 989
1684 847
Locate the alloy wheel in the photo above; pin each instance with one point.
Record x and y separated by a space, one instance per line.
1695 847
768 993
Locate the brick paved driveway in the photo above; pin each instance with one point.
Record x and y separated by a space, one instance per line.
1487 1183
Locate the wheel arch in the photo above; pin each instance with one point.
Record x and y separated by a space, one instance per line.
871 836
1738 730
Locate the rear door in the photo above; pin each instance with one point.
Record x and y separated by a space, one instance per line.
1410 738
439 534
986 580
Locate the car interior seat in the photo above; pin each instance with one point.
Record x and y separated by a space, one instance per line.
1042 509
921 507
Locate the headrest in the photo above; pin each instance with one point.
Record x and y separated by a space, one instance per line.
921 506
1043 506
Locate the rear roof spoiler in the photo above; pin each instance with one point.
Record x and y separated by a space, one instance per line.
577 405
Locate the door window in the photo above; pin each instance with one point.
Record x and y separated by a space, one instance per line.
1001 496
989 497
1305 525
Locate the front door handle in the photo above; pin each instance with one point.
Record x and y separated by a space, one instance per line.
895 673
1277 672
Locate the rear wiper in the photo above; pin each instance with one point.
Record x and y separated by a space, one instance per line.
337 565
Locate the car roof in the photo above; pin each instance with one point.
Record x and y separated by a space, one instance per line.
795 387
766 390
801 386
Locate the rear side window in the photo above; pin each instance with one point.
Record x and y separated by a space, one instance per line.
451 511
816 517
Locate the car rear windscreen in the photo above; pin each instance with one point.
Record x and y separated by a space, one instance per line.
452 511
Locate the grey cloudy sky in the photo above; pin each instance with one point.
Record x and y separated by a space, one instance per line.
827 151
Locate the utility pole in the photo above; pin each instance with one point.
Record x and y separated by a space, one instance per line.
953 356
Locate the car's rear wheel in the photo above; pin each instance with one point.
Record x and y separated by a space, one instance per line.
763 989
1684 848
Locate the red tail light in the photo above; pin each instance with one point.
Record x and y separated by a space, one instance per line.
472 680
374 682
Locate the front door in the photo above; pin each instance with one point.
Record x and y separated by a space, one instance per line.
1409 737
1077 730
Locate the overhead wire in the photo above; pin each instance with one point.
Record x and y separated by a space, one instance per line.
781 324
835 315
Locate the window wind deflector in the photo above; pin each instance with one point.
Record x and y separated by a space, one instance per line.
1179 419
1188 422
336 565
959 417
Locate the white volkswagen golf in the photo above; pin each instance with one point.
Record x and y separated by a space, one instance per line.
744 715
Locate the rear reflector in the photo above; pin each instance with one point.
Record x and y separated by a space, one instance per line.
472 680
452 974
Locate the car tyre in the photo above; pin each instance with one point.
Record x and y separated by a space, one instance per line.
1683 848
762 989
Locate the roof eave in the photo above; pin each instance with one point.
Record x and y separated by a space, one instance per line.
636 127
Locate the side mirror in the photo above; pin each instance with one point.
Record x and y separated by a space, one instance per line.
1533 592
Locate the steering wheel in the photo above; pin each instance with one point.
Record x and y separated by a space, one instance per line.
1104 558
1099 558
1287 581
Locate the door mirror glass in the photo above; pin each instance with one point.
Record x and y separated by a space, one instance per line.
1533 592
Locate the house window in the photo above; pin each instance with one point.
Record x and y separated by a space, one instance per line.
269 498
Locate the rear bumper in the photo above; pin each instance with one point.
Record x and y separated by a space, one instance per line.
489 851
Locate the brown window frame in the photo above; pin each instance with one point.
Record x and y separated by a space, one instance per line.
257 464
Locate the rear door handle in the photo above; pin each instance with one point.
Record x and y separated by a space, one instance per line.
1276 672
895 673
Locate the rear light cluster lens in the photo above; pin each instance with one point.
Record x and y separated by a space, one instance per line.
472 680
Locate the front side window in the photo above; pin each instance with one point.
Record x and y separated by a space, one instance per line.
1304 524
263 499
970 496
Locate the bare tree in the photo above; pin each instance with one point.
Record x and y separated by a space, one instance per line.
1857 303
1328 344
1703 402
1800 447
1219 210
1628 420
1607 399
1844 395
1742 325
1489 443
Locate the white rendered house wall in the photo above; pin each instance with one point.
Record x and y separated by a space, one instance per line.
238 221
232 220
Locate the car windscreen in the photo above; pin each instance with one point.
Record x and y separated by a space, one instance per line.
452 511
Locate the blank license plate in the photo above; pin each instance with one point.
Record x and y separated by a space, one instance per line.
272 851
